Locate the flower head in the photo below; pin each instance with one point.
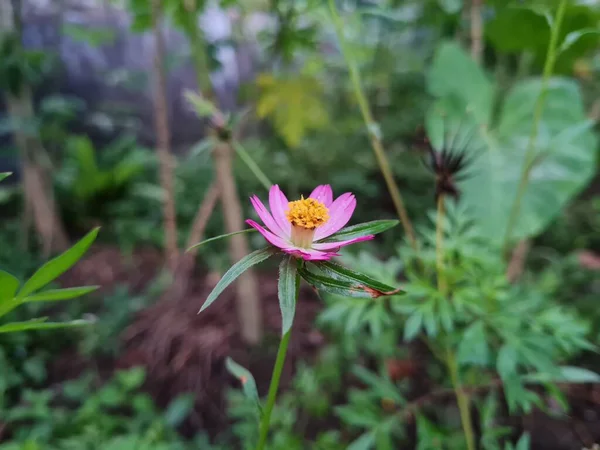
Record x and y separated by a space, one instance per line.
299 227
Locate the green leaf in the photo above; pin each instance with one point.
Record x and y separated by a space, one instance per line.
179 409
40 324
338 272
451 6
473 347
3 175
564 162
57 266
287 291
506 363
221 236
365 442
60 294
236 270
566 374
247 380
362 229
8 285
574 36
203 107
333 286
413 325
523 443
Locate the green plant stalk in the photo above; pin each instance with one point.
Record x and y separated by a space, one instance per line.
371 125
537 117
254 168
274 386
463 401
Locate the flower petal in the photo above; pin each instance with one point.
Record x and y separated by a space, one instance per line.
337 245
270 237
340 213
309 254
323 193
266 217
279 206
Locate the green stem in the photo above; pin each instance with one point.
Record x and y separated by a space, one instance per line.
537 117
274 386
463 401
254 168
371 125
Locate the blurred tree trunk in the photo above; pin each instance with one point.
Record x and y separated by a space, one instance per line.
477 30
37 184
163 140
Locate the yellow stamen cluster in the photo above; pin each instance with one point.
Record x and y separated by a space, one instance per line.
307 213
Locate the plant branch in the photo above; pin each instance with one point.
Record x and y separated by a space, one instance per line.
477 30
371 125
462 399
537 117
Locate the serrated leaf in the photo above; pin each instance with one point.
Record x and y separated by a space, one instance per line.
8 285
247 380
287 288
40 324
361 229
338 272
334 286
60 294
473 347
236 270
57 266
221 236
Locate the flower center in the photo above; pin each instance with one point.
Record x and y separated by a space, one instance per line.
307 213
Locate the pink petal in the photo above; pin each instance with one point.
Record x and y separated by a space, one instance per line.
337 245
323 193
279 206
340 213
266 217
273 239
310 255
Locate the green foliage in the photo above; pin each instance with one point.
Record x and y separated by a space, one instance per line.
466 105
288 285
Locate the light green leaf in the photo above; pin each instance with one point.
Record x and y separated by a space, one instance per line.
60 294
338 272
8 285
365 442
221 236
41 324
202 106
524 442
179 409
473 347
451 6
247 380
564 160
362 229
287 290
413 325
57 266
236 270
573 36
506 363
566 374
3 175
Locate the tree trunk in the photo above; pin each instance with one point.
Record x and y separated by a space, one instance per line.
248 301
163 141
37 185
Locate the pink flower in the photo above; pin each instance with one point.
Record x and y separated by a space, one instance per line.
299 227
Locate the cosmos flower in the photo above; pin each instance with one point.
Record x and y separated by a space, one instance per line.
301 227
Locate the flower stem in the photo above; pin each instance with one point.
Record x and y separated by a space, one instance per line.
439 247
371 125
274 386
463 401
537 117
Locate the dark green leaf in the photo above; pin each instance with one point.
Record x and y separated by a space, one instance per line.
333 286
40 324
3 175
222 236
362 229
8 285
247 380
338 272
60 294
236 270
57 266
287 290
